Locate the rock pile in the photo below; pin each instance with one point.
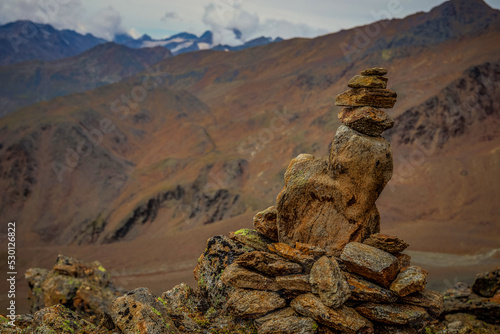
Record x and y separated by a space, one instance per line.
316 261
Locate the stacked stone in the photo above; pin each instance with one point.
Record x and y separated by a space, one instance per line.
316 262
370 288
368 93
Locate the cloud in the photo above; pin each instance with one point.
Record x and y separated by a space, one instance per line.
225 16
105 23
169 16
63 14
60 14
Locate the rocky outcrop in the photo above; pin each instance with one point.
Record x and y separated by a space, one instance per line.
85 288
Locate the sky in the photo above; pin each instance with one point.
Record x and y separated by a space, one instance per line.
254 18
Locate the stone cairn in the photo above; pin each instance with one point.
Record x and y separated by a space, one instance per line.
316 262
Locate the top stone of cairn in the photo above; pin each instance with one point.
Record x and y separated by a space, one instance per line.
375 71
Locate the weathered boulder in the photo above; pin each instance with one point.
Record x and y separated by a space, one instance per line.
308 208
388 243
368 120
432 301
35 278
181 302
139 311
239 277
59 319
219 253
367 81
265 223
253 304
80 286
343 319
370 262
374 97
487 284
268 263
328 282
292 254
392 314
363 290
412 279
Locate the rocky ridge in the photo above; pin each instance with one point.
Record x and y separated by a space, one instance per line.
316 262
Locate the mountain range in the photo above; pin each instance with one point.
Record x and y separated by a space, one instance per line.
25 40
151 164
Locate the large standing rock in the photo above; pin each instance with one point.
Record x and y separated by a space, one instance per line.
268 263
370 262
253 304
361 166
343 319
139 311
308 208
328 282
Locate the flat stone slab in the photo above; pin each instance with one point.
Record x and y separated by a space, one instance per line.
311 250
268 263
368 120
364 81
363 290
283 313
250 238
370 262
432 301
375 97
296 283
343 319
290 253
387 243
392 314
412 279
328 282
296 325
239 277
375 71
404 260
251 304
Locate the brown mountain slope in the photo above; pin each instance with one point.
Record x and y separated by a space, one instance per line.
25 83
